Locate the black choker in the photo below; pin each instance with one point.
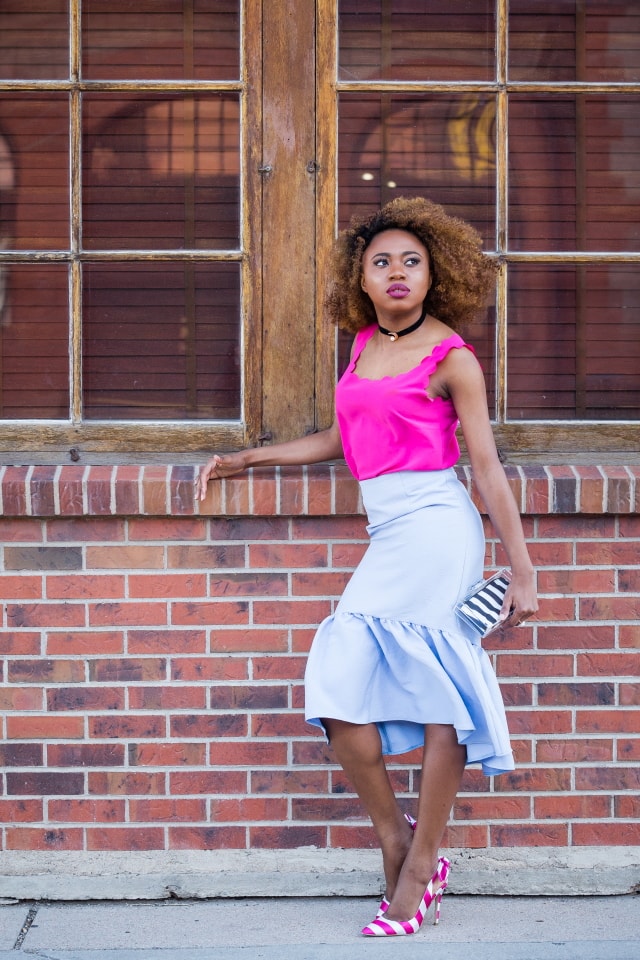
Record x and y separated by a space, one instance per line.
393 335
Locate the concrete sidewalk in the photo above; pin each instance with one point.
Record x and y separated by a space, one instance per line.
320 928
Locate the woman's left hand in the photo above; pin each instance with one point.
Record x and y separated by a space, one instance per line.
520 600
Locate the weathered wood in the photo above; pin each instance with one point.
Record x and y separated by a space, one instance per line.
288 208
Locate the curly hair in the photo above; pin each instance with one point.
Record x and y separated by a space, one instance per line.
463 277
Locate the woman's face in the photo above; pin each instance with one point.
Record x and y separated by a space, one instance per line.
396 273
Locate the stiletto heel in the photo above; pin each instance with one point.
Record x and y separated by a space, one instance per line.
384 903
381 927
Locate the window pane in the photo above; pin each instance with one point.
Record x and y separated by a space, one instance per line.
574 172
34 159
164 40
585 40
161 341
161 172
416 40
574 344
441 147
34 44
34 341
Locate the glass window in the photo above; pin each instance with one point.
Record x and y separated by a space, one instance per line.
34 43
573 344
164 40
584 40
416 39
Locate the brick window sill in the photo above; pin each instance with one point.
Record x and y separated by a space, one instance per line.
318 490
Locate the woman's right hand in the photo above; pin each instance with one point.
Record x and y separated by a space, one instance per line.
218 467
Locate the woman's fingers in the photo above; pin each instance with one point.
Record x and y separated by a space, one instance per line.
207 473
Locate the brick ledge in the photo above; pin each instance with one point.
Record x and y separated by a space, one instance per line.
318 490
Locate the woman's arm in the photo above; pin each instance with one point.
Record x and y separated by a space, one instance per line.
465 383
314 448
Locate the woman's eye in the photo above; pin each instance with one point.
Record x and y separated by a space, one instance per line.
411 261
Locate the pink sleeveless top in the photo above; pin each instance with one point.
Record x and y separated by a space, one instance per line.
391 424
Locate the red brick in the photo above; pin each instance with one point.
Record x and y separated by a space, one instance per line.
30 838
551 554
535 665
290 782
84 587
167 641
492 808
126 783
244 809
606 834
260 696
45 728
236 493
540 721
249 528
534 780
609 665
44 783
169 528
21 698
19 530
214 502
128 557
85 698
629 526
70 490
176 810
347 555
591 490
87 811
610 608
208 782
248 585
271 639
21 754
20 588
126 484
609 553
182 488
209 725
214 612
167 585
627 807
574 751
206 557
629 694
14 493
628 750
264 491
155 489
292 490
319 489
474 836
127 669
21 811
85 754
278 725
279 668
286 838
143 727
530 835
136 614
167 698
167 754
301 639
607 721
576 581
98 486
347 491
610 778
207 838
263 754
555 608
353 837
125 838
45 671
288 555
85 643
571 807
575 694
517 694
319 584
45 615
20 644
576 637
290 611
86 530
629 635
570 528
217 669
312 752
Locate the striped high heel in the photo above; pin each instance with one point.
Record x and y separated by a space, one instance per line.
384 903
381 927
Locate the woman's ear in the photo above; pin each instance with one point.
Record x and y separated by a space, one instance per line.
363 283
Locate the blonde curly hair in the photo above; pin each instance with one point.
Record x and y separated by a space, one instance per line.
463 276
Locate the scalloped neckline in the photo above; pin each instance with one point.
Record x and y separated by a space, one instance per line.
435 355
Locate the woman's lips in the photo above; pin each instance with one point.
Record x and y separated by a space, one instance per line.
398 290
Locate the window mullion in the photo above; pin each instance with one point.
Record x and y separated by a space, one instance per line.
75 203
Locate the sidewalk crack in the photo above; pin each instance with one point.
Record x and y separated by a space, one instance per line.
26 926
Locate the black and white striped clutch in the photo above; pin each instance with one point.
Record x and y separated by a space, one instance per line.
481 607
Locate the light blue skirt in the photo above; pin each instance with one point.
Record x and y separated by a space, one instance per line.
394 652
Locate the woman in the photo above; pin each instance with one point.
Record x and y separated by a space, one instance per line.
394 668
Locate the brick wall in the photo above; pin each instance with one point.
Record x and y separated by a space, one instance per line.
153 651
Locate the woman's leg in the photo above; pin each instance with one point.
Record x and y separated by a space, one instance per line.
442 767
359 751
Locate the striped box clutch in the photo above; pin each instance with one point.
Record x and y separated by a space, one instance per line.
481 607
